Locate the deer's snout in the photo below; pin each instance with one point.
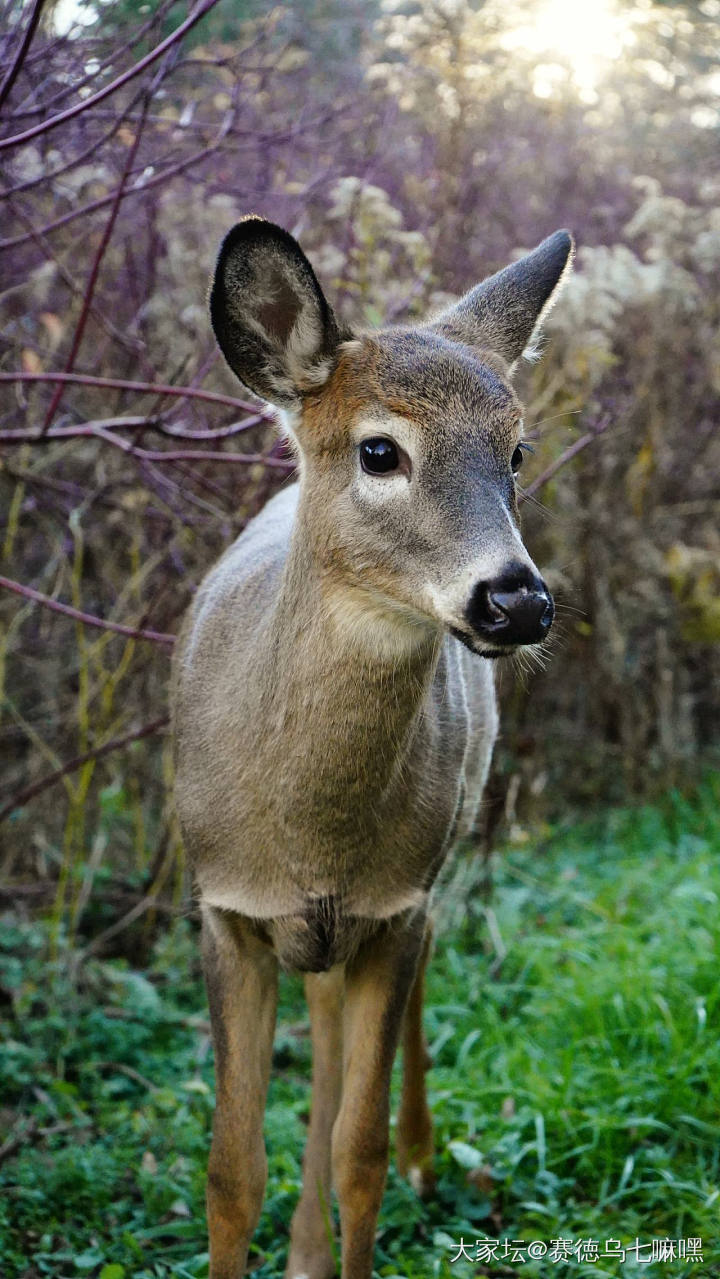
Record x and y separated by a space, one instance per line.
514 608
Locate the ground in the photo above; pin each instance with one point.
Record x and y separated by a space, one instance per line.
573 1022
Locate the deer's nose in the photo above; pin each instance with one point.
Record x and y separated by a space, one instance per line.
514 608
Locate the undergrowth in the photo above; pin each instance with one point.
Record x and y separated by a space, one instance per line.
573 1021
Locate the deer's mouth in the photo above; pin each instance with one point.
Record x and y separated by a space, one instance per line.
470 643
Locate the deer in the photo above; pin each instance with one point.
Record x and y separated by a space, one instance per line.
334 711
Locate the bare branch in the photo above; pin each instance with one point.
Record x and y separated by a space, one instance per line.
76 85
46 125
181 167
25 43
145 388
97 263
564 458
87 619
23 435
21 797
195 455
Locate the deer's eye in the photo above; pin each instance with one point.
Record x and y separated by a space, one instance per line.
379 456
516 460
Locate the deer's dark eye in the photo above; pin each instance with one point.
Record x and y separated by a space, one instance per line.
379 456
516 460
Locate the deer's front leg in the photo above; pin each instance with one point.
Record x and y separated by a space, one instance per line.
377 983
241 979
310 1249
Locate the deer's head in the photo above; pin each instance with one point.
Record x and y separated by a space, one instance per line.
409 440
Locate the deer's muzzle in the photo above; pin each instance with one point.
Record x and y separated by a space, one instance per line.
514 608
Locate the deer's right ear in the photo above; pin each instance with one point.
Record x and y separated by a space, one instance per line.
270 317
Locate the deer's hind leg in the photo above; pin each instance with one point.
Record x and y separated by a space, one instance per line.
241 979
310 1249
414 1149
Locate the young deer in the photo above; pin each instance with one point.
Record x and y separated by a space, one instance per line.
334 719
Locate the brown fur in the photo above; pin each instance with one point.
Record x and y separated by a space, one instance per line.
333 738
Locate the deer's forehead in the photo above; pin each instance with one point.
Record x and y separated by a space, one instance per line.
438 387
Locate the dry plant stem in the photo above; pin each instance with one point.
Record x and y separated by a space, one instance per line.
46 125
146 903
87 619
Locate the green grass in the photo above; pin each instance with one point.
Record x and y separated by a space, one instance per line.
576 1084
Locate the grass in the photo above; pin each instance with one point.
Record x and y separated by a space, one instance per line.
573 1024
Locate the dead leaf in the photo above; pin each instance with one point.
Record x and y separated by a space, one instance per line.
30 361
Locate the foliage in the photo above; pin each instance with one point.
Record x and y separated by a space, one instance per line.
574 1087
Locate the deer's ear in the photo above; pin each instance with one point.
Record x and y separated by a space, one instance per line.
271 320
504 313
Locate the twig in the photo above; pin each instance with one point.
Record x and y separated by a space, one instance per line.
14 71
149 388
96 264
23 435
99 431
133 345
88 619
43 892
140 189
195 455
140 908
122 1069
30 1132
46 125
565 457
75 86
50 779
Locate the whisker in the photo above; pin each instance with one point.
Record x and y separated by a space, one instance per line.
562 607
543 421
540 506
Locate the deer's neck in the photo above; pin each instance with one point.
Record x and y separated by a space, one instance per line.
347 677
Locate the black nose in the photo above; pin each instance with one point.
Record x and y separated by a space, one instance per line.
514 608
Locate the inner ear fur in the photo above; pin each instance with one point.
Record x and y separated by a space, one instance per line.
271 319
504 313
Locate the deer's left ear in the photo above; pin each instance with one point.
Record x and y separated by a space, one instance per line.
270 316
504 313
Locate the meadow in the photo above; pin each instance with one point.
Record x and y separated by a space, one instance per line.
572 1017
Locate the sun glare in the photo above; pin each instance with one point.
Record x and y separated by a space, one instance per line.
579 36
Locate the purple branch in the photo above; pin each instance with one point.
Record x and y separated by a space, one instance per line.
149 388
25 43
87 619
46 125
97 263
21 797
564 458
